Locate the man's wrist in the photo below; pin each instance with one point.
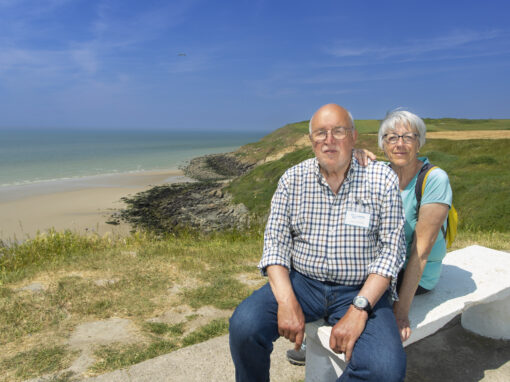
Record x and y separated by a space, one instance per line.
361 303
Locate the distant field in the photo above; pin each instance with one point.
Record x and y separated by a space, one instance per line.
449 124
443 124
471 134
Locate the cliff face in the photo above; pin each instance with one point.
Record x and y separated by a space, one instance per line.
216 167
202 205
206 205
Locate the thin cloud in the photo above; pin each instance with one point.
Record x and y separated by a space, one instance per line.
455 40
338 82
109 36
127 30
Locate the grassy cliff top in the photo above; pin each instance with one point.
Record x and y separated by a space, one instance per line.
295 135
280 139
478 168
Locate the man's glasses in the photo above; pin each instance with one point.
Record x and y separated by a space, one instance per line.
407 138
338 133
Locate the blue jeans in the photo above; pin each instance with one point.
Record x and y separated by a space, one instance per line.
378 354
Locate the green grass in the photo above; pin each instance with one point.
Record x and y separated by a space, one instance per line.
34 363
371 126
213 329
117 357
255 189
479 172
458 124
24 315
143 268
490 239
19 260
222 292
28 320
114 357
161 328
279 139
367 126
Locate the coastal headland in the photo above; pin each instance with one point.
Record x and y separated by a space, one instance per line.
74 304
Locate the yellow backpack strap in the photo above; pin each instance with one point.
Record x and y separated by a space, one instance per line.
425 179
420 183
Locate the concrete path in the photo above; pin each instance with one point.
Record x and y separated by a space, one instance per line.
208 361
452 354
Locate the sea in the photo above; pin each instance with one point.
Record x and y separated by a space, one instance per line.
30 156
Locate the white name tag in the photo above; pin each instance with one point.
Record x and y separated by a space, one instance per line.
357 219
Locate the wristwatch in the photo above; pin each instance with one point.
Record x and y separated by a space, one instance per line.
361 303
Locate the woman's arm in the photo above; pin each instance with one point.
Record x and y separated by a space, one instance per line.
431 218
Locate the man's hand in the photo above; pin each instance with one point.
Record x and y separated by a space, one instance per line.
404 326
347 331
291 322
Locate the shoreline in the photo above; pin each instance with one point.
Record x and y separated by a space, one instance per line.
82 204
11 192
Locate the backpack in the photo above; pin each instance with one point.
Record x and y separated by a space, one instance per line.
452 220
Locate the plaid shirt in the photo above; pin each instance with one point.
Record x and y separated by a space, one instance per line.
308 230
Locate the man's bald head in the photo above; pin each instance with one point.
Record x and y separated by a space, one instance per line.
331 110
333 137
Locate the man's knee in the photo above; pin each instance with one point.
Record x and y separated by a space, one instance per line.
392 367
249 322
388 366
241 324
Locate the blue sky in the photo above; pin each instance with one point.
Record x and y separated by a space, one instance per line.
248 64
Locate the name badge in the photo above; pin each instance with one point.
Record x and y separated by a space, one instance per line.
357 219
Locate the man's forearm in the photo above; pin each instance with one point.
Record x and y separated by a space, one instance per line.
291 320
280 283
374 288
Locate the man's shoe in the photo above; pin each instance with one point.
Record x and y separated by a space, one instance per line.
297 357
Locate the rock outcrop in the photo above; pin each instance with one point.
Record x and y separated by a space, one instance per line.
215 167
201 205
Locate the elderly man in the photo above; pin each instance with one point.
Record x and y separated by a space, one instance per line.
333 247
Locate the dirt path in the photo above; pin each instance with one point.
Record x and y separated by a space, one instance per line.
473 134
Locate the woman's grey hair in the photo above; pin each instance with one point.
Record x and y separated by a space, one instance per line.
348 113
403 117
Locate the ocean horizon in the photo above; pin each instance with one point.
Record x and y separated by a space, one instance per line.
29 156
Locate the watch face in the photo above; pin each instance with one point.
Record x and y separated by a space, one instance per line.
360 302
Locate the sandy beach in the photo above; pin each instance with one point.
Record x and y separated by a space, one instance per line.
82 205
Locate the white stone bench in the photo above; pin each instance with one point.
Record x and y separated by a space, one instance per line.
475 282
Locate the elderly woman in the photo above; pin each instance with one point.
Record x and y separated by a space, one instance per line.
401 136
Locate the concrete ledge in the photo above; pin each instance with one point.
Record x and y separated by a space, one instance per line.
475 282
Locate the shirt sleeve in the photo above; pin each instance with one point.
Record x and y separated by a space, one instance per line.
437 188
277 235
392 247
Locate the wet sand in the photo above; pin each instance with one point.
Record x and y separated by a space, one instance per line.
82 205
